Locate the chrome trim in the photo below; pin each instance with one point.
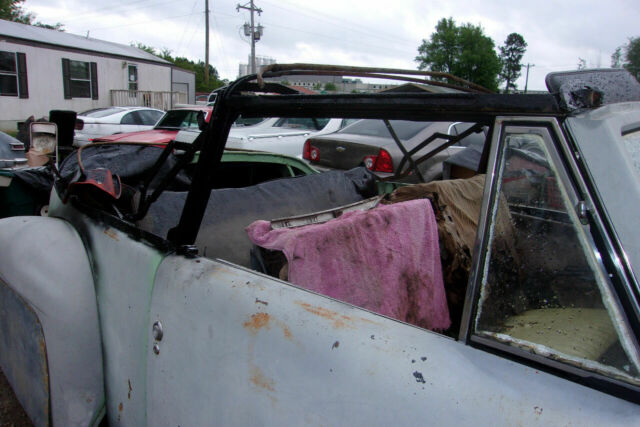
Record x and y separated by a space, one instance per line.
556 144
479 247
451 126
554 364
620 260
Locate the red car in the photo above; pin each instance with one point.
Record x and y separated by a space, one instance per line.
166 129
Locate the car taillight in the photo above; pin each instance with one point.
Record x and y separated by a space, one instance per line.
309 152
79 124
380 163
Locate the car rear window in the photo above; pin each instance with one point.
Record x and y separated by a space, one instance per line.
405 129
101 112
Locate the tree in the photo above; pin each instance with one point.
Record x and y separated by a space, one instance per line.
632 57
582 63
187 64
616 58
511 57
464 51
330 87
11 10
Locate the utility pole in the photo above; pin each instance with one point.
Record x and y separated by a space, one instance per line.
526 84
206 42
255 34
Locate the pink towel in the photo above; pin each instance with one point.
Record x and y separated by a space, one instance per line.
386 260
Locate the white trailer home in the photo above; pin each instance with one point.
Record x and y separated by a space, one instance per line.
42 70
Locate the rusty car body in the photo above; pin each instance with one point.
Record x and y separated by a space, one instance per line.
144 322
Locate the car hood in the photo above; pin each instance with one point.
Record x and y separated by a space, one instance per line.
155 136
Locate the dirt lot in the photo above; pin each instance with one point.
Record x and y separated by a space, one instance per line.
11 413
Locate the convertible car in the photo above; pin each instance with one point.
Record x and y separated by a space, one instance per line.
506 293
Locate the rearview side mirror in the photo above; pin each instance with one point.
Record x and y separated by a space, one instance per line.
202 123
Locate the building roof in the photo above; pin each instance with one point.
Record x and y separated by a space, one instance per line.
73 41
304 90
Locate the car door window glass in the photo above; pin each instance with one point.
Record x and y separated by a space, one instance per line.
130 119
543 289
149 117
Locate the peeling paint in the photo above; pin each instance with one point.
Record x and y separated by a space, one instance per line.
130 389
419 378
260 380
257 322
110 233
339 321
335 345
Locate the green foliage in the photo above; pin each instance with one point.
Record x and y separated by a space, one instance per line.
330 87
511 57
582 63
632 57
464 51
187 64
616 58
11 10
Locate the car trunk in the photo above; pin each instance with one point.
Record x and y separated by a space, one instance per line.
343 154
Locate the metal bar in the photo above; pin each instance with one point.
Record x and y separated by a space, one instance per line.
404 150
354 71
468 107
375 75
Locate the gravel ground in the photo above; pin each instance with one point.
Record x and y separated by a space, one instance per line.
11 412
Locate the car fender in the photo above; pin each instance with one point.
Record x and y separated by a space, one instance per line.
50 346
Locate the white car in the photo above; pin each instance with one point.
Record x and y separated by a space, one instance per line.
107 121
282 135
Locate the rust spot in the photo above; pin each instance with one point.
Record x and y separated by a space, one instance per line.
89 400
109 232
120 407
339 321
130 389
286 331
259 380
335 345
257 322
258 301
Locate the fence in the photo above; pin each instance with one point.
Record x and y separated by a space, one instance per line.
147 98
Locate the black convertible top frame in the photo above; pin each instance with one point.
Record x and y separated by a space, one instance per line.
481 108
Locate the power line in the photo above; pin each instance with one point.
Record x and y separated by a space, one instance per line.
349 25
144 22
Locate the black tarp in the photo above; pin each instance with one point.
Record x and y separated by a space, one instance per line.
230 210
131 163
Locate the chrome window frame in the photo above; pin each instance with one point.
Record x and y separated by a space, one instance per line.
569 173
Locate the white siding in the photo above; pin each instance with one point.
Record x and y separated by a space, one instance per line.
44 75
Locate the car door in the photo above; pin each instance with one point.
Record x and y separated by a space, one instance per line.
131 122
226 345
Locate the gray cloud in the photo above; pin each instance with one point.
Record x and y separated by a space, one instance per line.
372 33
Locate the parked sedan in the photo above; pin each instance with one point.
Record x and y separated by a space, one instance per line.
282 135
107 121
370 143
168 126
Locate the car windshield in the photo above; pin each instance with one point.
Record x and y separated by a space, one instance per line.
101 112
405 129
179 119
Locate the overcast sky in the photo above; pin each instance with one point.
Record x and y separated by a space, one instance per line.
353 32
